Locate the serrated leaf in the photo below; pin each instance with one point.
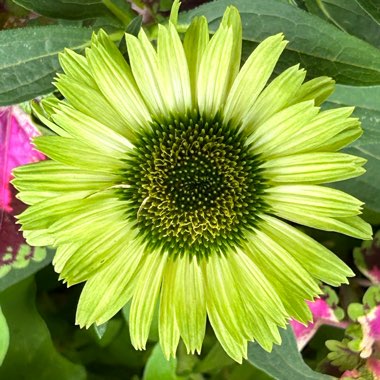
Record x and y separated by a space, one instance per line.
320 47
158 367
31 353
284 362
349 16
367 108
4 337
29 59
71 10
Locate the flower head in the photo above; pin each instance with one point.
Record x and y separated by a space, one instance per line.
172 178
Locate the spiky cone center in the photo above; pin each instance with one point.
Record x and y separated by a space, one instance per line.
194 186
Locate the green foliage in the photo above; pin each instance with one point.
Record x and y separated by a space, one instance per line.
71 10
284 362
24 267
31 354
30 59
4 337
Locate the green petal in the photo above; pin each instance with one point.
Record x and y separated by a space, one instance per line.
41 114
174 71
321 263
328 131
313 168
231 18
274 98
317 89
55 177
214 72
168 327
236 349
91 102
224 302
73 152
111 288
145 297
62 254
265 308
144 64
114 78
311 199
252 78
280 268
90 219
269 138
195 42
190 302
95 252
90 131
77 68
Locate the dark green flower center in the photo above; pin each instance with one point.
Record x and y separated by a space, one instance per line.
194 186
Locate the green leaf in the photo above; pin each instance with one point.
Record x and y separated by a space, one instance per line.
367 103
29 59
31 353
284 362
4 337
158 367
66 9
372 7
25 267
348 16
320 47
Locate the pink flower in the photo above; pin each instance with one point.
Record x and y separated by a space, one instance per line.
16 132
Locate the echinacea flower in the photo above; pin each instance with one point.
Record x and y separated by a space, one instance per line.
172 178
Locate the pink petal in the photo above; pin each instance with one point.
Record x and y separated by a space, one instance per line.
371 331
323 314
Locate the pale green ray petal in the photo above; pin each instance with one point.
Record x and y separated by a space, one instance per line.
195 42
168 327
96 252
41 114
317 89
313 168
73 152
53 176
36 196
223 298
252 78
236 349
94 218
91 102
214 72
145 297
144 64
255 287
231 18
174 71
43 214
38 238
90 131
321 263
114 78
352 226
76 67
62 254
318 200
190 302
280 268
274 98
110 289
269 138
328 131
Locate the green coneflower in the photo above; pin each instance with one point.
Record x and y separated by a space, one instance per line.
172 178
